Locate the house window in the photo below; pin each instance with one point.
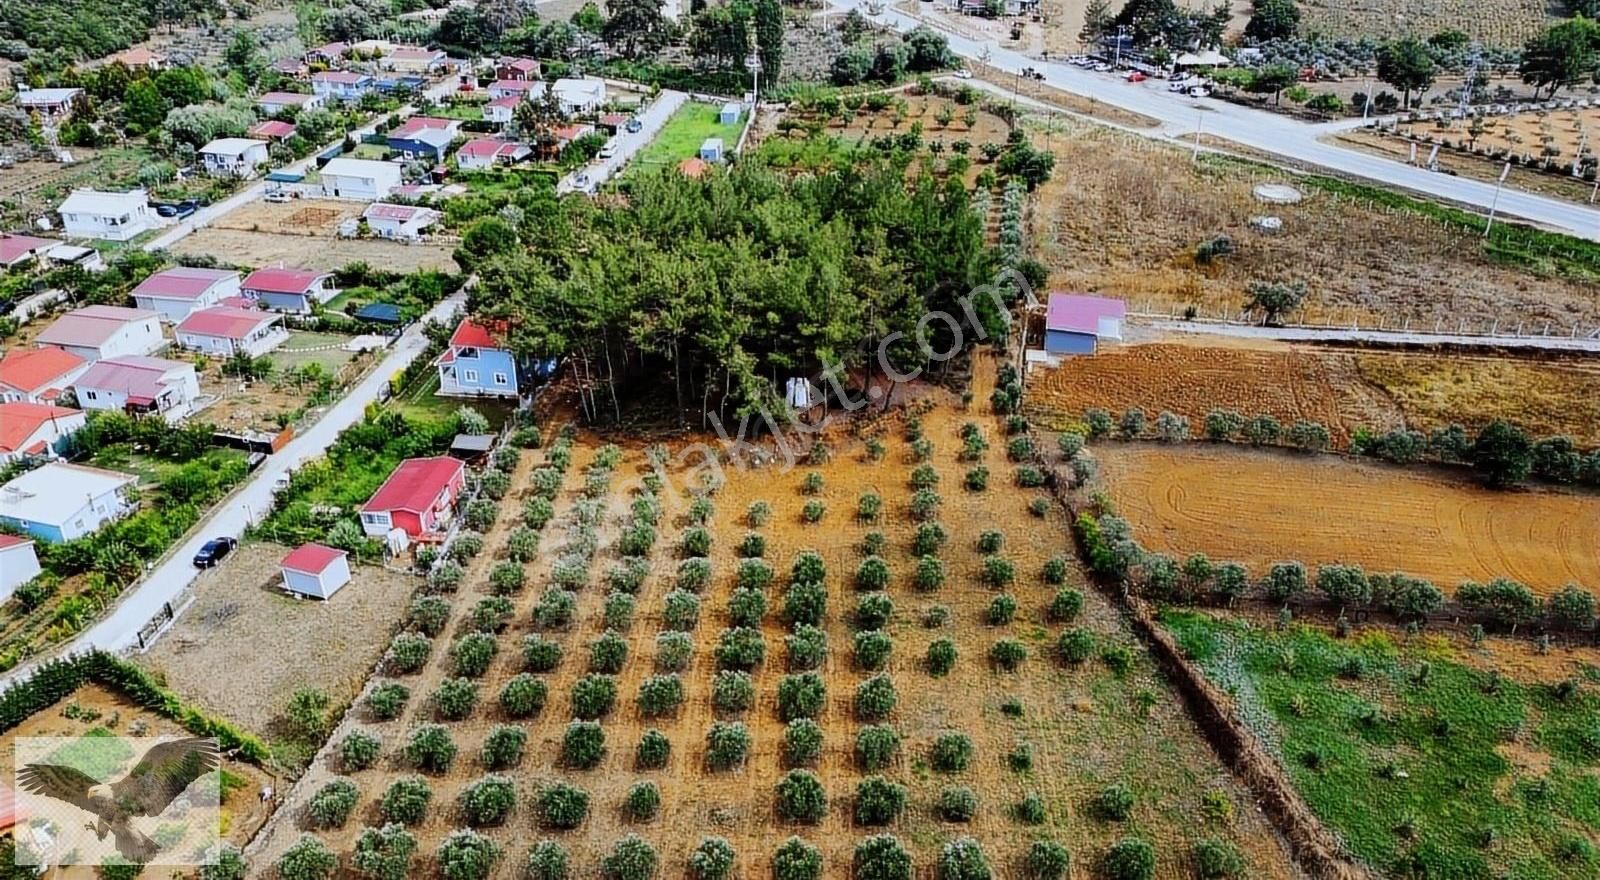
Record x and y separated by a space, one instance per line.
469 375
468 352
91 395
500 379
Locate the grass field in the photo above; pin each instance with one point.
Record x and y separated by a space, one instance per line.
291 355
152 471
683 134
1425 766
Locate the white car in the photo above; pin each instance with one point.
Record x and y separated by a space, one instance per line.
278 196
963 73
609 150
1199 92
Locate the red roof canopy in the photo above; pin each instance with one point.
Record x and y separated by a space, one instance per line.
30 369
181 282
282 280
311 558
414 485
470 333
225 322
6 543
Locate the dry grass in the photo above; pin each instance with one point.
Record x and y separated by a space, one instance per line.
1545 399
1496 22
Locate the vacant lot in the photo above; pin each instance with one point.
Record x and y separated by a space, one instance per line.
1131 225
1504 23
1425 766
303 234
1546 399
217 653
304 347
1260 507
683 134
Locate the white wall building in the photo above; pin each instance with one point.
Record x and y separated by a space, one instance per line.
140 386
233 157
18 564
400 222
225 331
95 332
580 95
315 570
362 179
61 502
113 216
174 293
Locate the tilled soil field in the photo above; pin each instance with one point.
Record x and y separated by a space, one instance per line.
1258 508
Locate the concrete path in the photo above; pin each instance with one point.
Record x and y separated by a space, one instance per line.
1397 338
142 600
1258 129
651 119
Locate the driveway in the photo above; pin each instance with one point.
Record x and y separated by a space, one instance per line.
628 144
1269 132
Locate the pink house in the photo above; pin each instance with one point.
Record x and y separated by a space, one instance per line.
419 498
1077 323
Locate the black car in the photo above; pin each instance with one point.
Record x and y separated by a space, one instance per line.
213 551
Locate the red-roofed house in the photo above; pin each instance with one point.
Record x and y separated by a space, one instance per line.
476 364
17 251
480 153
174 293
273 103
415 59
272 130
1075 323
525 89
517 69
315 570
291 67
502 110
139 386
35 430
18 565
137 57
95 332
341 85
226 331
288 290
329 52
38 375
566 134
401 222
418 498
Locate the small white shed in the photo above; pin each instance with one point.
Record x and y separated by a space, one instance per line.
315 570
711 150
729 115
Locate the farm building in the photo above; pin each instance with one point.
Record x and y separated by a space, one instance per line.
579 95
95 332
424 137
711 150
233 157
63 502
21 251
475 365
226 331
47 102
729 114
139 386
480 153
521 89
36 430
272 130
38 375
362 179
1076 324
273 103
287 290
517 69
400 222
418 498
315 570
112 216
341 85
18 564
174 293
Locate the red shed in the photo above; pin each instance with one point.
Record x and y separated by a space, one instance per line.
419 497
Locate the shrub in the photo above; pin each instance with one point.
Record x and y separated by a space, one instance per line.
1030 810
359 750
876 747
929 575
812 484
732 691
928 539
875 698
754 574
991 542
941 657
1066 605
406 800
555 609
386 700
617 613
1076 645
802 741
681 611
562 806
1054 571
506 578
957 803
694 574
660 695
593 696
537 512
466 855
523 696
1218 860
1007 654
445 576
997 572
1030 477
872 648
608 653
696 542
805 603
547 860
471 653
380 853
878 801
407 653
1039 507
977 479
331 804
430 748
881 857
1046 860
467 545
924 504
740 648
1129 859
583 744
727 745
1019 448
653 750
712 859
491 614
799 696
503 747
637 539
643 801
488 801
814 511
747 607
1115 802
1002 609
308 859
1118 659
963 859
874 611
455 699
701 510
540 654
673 650
873 543
808 568
430 614
924 477
869 507
796 860
801 797
757 514
950 753
628 574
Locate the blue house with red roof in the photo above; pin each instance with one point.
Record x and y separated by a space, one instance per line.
477 364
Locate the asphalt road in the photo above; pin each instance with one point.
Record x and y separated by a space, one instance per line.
1269 132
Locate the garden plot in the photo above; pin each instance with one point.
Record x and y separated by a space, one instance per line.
1078 754
1258 508
1131 224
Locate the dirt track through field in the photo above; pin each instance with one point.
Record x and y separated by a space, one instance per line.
1262 507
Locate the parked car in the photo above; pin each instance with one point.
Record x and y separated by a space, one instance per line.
1102 67
633 126
278 196
1135 76
213 550
963 73
1199 92
582 180
609 150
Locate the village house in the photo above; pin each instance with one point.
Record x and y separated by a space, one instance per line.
272 130
517 69
175 292
85 258
273 103
481 153
418 498
502 111
36 430
476 365
112 216
18 564
62 502
38 375
288 290
341 85
400 222
522 89
233 157
49 103
328 53
226 331
95 332
580 95
424 137
415 59
364 179
315 570
294 68
139 57
139 386
566 134
21 251
1077 324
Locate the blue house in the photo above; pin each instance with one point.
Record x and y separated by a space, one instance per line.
424 137
476 365
61 502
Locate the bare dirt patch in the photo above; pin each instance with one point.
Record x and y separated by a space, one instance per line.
303 234
244 646
1263 507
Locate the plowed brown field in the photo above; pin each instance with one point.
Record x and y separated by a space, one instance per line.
1259 507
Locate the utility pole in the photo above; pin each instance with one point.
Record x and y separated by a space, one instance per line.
1495 204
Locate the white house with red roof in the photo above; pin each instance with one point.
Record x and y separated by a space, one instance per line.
38 375
273 103
1078 323
501 111
226 331
341 85
174 293
481 153
419 498
95 332
400 222
18 565
272 130
139 386
36 430
476 364
315 570
21 251
522 89
288 290
517 68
